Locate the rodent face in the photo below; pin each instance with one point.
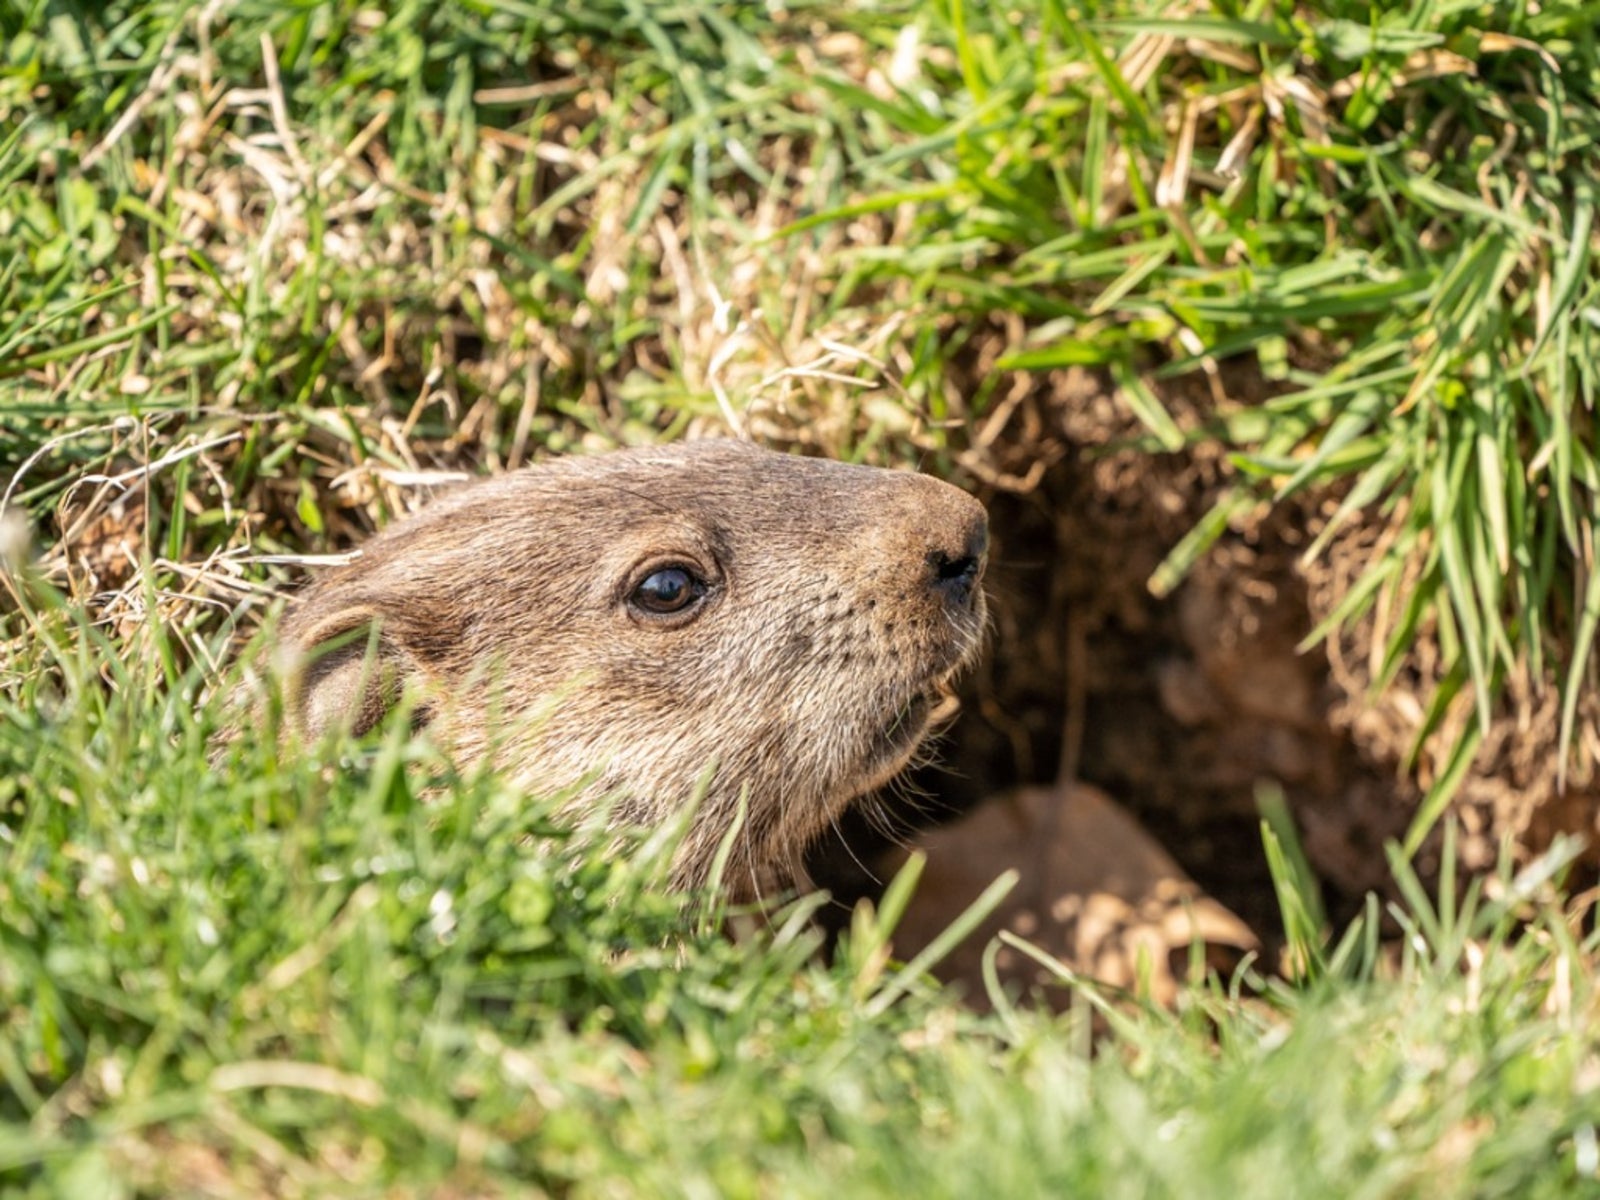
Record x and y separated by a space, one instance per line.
790 623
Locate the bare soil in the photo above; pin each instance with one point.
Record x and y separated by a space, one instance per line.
1182 707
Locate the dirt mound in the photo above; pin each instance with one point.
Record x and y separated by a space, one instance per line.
1093 891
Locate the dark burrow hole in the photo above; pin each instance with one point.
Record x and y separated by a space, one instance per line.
1187 703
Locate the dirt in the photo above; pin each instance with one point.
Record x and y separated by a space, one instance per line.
1180 707
1123 914
1183 707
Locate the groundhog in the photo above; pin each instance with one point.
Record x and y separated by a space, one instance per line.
776 632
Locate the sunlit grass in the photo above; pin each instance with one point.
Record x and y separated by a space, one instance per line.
270 973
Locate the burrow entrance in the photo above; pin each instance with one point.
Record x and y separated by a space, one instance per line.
1181 707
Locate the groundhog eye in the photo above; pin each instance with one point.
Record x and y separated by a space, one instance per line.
669 590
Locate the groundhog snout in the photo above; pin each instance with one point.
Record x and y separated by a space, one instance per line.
958 549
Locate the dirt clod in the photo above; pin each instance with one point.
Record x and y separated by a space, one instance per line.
1097 893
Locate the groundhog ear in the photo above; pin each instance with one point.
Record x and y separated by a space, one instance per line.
346 674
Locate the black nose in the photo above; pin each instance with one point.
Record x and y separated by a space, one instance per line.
956 576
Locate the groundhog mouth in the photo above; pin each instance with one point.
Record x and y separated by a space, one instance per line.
929 709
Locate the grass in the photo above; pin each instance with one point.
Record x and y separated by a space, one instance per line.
291 975
268 268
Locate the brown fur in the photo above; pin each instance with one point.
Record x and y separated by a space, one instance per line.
840 599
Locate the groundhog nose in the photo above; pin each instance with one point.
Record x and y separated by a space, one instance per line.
958 566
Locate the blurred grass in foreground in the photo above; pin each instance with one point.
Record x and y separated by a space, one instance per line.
288 975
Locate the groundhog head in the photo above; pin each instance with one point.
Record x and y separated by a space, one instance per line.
778 631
